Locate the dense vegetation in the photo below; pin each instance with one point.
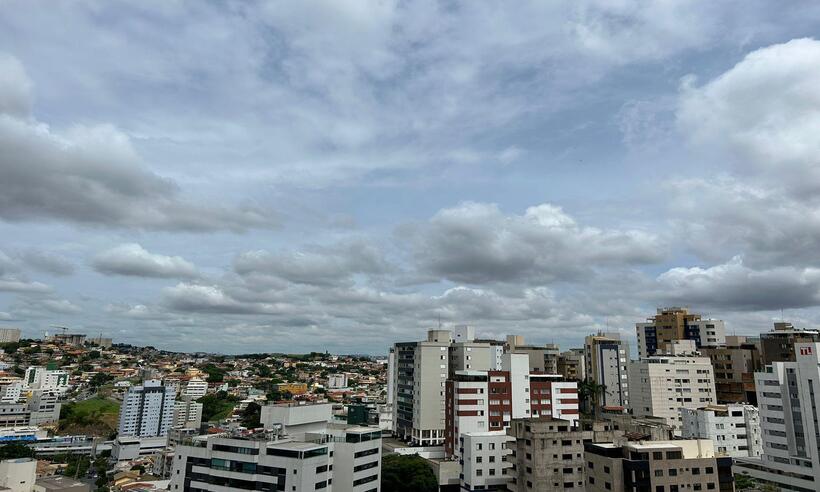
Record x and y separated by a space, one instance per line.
407 474
218 406
95 416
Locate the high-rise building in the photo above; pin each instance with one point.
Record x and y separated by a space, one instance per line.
48 379
147 410
734 429
676 323
651 466
543 359
606 357
571 364
342 460
778 345
9 335
548 455
661 385
788 396
196 388
735 365
187 414
422 369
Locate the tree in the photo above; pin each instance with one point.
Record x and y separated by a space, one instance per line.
14 450
251 415
743 482
590 393
402 473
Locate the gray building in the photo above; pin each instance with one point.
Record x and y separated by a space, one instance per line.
548 455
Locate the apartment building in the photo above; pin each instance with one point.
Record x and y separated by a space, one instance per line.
543 359
345 460
606 357
147 410
734 429
37 409
484 460
196 388
735 365
422 369
296 419
548 454
657 466
778 345
9 335
486 401
677 323
49 379
187 414
788 395
661 385
571 364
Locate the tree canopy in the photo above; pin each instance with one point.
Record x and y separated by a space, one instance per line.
401 473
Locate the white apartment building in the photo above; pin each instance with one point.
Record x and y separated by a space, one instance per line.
196 388
661 385
422 369
18 475
606 357
46 379
337 381
483 460
734 428
296 419
788 396
187 413
12 392
147 410
346 460
9 335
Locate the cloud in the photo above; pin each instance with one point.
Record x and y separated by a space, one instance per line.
734 286
476 243
764 113
91 175
188 297
47 262
316 265
133 260
12 279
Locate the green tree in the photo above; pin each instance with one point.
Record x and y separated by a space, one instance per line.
251 415
401 473
14 450
744 482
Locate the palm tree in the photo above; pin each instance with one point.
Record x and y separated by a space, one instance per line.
590 393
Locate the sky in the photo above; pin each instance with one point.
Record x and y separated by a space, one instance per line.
341 175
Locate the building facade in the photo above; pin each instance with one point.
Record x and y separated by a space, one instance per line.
571 364
734 429
661 385
187 414
548 454
147 410
9 335
676 323
607 357
735 365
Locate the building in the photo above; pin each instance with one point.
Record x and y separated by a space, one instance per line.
422 369
147 410
788 395
196 388
548 454
48 379
60 483
734 429
38 409
778 345
9 335
571 365
296 419
661 385
292 388
100 341
606 357
485 460
18 475
487 401
345 460
543 359
67 339
187 413
669 466
126 448
735 365
676 323
337 381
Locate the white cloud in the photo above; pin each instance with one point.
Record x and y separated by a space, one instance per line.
133 260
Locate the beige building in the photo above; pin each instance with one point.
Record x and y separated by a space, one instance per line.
549 455
677 323
571 364
735 365
655 466
661 385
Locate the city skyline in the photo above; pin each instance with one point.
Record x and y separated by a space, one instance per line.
243 178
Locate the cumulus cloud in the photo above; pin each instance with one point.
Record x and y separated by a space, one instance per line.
477 243
90 175
734 286
135 261
315 265
764 113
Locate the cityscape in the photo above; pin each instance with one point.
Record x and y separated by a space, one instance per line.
409 245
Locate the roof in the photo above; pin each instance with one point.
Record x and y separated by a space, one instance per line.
58 482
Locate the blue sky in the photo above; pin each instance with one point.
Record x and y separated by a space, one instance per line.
286 176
